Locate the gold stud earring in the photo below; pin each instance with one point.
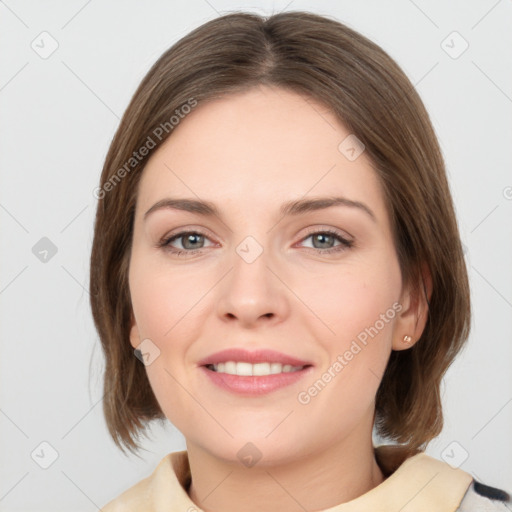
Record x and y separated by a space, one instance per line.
407 339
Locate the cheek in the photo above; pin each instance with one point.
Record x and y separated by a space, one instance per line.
353 298
166 305
169 385
359 305
165 301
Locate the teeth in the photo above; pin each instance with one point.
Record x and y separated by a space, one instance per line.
247 369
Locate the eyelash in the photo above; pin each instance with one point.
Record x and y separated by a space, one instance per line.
345 244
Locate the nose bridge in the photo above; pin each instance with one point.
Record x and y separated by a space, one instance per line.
251 290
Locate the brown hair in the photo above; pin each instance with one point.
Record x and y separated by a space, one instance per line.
325 60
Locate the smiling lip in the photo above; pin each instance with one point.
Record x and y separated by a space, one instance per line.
257 356
253 384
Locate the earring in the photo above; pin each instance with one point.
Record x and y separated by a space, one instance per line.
407 339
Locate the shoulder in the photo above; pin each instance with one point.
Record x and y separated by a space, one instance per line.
141 496
133 498
483 498
436 485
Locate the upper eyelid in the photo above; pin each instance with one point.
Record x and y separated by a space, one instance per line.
187 231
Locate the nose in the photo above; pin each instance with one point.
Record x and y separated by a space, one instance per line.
253 292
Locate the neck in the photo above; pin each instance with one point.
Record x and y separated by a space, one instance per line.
316 482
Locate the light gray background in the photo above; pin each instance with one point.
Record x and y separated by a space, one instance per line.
58 116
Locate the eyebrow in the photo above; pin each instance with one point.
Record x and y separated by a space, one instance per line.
291 208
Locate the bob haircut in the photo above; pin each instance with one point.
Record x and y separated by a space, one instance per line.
368 92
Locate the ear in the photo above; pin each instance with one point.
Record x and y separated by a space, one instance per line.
413 317
134 333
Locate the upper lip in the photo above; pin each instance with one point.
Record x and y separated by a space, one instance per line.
254 356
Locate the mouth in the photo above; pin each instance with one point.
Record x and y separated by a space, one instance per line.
242 378
257 372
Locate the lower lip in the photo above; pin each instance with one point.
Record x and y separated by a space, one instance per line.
255 385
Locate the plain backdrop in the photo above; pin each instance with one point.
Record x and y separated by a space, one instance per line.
67 72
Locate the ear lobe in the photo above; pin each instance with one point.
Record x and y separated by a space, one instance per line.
413 318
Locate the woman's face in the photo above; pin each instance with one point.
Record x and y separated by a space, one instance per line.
318 284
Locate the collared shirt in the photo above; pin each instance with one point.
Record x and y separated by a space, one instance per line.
413 483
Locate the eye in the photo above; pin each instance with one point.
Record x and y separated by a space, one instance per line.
324 240
190 241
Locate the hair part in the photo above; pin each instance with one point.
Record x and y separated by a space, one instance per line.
326 60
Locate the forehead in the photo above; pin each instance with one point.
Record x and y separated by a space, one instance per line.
257 148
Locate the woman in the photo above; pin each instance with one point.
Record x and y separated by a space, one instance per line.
276 243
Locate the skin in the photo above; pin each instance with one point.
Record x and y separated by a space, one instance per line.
248 154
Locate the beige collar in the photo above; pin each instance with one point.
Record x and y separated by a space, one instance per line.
416 483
